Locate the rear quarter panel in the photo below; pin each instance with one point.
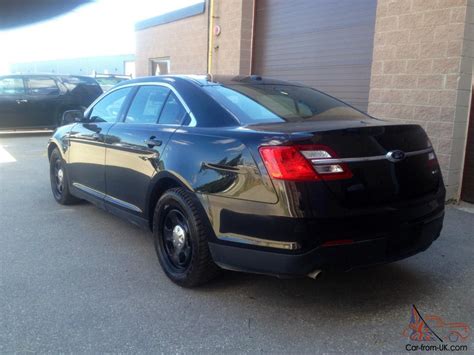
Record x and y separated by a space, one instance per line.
215 165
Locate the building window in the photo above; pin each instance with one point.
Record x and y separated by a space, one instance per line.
160 66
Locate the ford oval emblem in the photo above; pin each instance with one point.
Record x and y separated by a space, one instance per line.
395 156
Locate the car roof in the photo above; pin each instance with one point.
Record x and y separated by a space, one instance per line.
209 80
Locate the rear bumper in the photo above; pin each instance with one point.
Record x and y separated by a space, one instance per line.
408 239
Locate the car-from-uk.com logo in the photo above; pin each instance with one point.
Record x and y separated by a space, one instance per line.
431 333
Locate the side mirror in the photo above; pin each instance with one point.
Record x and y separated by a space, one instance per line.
72 116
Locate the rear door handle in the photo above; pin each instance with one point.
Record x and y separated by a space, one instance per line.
21 101
153 142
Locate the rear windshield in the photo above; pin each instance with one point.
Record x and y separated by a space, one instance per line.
109 80
76 80
253 104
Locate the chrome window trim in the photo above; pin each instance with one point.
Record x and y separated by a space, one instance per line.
169 86
364 159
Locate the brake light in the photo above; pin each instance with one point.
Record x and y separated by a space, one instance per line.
286 163
303 163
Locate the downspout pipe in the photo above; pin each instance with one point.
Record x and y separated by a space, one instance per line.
252 37
211 37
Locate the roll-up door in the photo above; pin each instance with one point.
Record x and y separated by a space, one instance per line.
325 44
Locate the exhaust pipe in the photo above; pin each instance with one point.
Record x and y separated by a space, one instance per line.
314 274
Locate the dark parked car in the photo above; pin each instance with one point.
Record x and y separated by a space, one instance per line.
108 81
253 175
38 101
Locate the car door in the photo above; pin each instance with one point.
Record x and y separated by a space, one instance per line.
134 146
13 109
44 99
86 160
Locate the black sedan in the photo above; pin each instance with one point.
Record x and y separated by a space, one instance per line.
251 174
39 101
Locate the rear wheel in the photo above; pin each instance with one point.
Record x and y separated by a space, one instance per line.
59 181
181 231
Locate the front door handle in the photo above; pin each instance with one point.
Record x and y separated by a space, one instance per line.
153 142
21 101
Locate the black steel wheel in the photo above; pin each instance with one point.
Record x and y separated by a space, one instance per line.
181 231
58 178
176 239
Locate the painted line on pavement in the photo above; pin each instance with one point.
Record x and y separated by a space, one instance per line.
6 157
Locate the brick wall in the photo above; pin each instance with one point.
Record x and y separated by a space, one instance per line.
422 70
232 48
183 41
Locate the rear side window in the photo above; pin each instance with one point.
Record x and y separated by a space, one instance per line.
173 112
147 104
42 86
11 86
266 103
109 107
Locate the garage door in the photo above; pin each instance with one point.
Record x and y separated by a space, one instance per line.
326 44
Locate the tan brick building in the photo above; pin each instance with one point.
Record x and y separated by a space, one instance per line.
409 60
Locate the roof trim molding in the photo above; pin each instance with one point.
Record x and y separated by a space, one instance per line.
180 14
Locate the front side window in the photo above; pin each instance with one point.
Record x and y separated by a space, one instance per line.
173 112
11 86
109 107
42 86
147 104
280 103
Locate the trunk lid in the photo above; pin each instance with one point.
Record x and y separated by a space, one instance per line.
363 146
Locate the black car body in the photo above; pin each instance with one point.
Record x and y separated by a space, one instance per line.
38 101
108 81
283 179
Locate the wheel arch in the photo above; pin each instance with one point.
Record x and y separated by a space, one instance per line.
60 140
51 146
162 182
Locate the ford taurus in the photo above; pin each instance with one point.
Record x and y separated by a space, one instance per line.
251 174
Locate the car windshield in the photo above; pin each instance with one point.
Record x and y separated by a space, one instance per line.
253 104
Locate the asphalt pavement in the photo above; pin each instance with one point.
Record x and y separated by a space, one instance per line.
77 279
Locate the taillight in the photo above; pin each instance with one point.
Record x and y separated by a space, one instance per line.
432 160
287 163
303 163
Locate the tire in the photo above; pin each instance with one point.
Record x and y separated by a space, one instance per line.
181 231
59 180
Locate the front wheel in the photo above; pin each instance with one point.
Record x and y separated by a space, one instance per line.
181 231
59 180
